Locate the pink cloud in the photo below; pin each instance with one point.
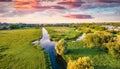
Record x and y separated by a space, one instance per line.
50 7
28 4
71 4
78 16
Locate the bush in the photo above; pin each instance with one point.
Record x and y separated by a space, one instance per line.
104 41
88 31
97 39
114 48
80 63
60 47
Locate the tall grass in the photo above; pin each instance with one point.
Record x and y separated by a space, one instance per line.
21 54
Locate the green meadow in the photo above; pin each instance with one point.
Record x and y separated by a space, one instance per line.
56 33
76 49
17 51
101 60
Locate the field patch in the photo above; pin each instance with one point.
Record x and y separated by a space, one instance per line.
20 53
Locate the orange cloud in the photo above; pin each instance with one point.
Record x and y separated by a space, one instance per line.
23 4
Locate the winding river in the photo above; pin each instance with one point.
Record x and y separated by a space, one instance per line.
56 60
48 46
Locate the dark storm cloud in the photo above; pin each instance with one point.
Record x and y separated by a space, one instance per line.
78 16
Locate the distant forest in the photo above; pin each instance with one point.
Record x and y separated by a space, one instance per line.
10 26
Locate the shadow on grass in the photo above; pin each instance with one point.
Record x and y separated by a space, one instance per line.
83 51
105 67
2 48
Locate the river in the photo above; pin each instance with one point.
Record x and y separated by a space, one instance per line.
56 60
48 46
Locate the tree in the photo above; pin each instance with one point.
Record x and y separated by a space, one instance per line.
80 63
14 26
114 47
104 41
97 39
3 27
60 47
88 31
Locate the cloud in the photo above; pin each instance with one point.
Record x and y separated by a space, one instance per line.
5 0
26 4
71 3
99 5
108 1
51 7
78 16
30 4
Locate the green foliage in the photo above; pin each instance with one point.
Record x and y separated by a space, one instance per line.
78 49
21 54
57 33
92 40
14 26
60 47
114 47
104 41
48 62
101 59
88 31
2 49
81 63
3 27
97 39
114 50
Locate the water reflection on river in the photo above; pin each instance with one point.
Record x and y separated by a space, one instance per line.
48 46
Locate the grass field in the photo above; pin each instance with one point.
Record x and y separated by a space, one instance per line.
56 33
100 59
77 49
17 52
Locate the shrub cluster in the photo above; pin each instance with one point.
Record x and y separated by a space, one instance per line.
60 47
80 63
102 40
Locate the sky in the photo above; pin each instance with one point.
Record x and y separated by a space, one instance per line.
59 11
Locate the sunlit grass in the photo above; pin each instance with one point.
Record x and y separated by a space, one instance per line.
101 59
21 54
77 49
56 33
